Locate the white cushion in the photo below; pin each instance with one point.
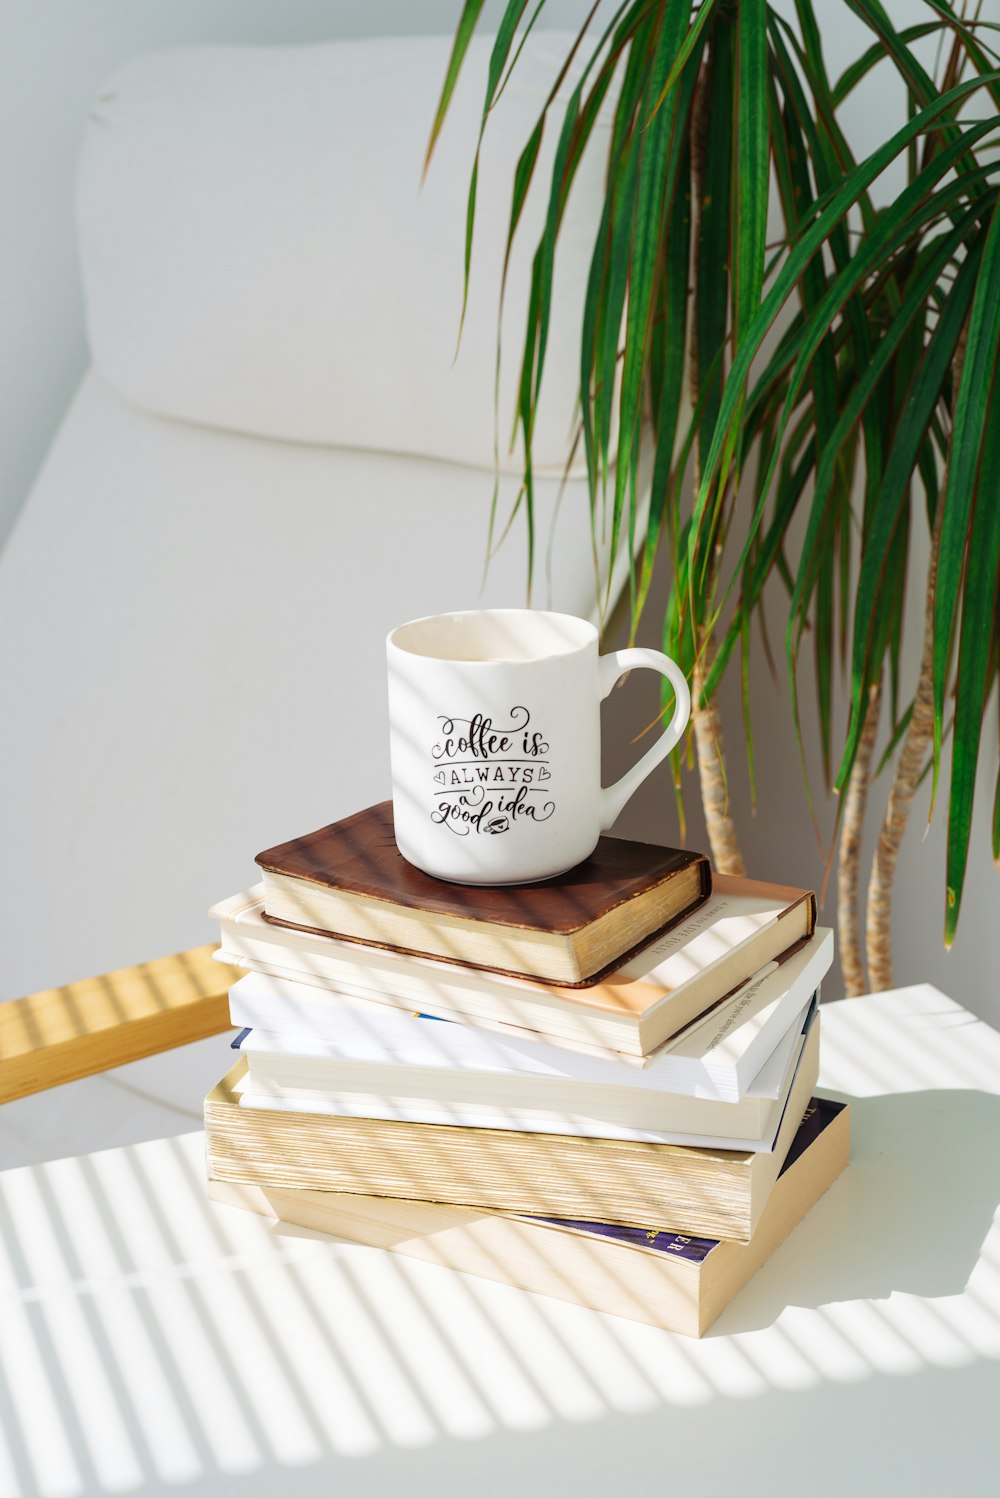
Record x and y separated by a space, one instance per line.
192 662
258 253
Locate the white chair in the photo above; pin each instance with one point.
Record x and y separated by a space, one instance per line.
273 460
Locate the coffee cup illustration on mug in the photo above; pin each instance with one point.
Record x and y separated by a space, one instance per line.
495 742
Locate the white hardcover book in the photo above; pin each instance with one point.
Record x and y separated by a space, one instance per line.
675 981
293 1020
702 1123
716 1059
726 1050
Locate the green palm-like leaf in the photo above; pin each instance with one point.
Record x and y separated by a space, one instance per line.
752 155
702 16
813 236
498 61
673 332
655 176
463 36
939 255
829 356
922 396
976 647
857 71
968 430
712 264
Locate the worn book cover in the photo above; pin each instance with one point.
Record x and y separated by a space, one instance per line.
349 880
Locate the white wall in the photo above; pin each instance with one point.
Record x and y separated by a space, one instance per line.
54 58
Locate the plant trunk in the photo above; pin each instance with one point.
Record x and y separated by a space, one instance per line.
848 925
707 721
916 741
727 856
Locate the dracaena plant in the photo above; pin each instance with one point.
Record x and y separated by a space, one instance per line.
842 380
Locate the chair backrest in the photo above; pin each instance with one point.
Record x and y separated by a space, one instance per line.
259 253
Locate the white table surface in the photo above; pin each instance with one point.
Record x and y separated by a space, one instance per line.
152 1342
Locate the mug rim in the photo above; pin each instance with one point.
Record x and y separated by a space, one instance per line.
587 630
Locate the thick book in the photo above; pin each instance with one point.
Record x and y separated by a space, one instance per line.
667 1279
715 1192
349 880
675 980
403 1065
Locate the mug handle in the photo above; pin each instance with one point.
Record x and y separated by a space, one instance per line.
612 667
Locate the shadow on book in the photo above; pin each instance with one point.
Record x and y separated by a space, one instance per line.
909 1215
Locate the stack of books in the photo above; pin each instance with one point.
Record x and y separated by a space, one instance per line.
599 1087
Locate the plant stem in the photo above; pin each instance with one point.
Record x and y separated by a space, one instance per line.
707 721
878 934
848 926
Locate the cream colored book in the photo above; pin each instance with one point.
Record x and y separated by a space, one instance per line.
741 927
719 1192
664 1278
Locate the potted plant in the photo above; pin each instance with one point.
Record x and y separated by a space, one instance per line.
843 385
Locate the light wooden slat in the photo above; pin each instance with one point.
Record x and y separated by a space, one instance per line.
87 1027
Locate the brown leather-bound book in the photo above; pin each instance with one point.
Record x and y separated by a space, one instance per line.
349 880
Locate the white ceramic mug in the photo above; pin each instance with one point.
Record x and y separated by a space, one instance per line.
495 742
